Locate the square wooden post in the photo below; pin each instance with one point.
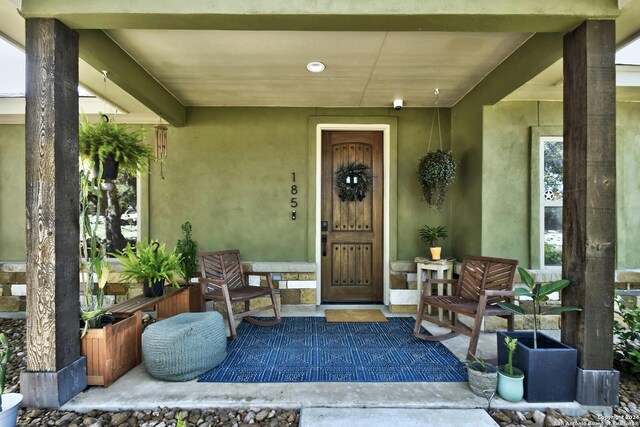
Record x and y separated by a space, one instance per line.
55 370
589 207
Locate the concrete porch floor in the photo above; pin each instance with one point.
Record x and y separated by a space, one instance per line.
138 390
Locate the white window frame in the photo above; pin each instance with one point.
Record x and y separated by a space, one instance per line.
542 202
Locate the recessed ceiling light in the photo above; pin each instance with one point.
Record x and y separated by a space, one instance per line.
315 67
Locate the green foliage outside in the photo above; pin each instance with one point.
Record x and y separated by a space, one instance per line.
188 248
150 262
552 254
5 355
437 170
626 348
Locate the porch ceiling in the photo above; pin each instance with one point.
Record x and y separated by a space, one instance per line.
363 69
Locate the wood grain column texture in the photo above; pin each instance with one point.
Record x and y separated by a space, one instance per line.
52 187
589 221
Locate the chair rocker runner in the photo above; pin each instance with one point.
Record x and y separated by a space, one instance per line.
483 282
222 279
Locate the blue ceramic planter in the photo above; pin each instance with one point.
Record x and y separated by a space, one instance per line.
549 370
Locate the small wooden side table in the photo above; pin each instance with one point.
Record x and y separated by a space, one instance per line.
439 268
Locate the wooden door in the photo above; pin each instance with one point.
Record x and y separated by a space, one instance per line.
351 231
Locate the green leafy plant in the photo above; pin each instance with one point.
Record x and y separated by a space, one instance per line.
626 348
480 365
437 170
107 138
552 254
150 262
509 369
431 235
188 248
538 293
5 355
180 422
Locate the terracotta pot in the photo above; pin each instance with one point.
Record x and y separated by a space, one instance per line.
435 252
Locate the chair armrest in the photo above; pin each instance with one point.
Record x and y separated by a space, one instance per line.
429 282
214 283
441 281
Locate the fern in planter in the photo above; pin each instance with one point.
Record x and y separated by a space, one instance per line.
437 170
151 263
188 248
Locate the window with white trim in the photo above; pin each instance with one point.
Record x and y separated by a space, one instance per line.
551 201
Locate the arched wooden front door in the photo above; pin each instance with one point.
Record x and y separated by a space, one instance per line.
351 231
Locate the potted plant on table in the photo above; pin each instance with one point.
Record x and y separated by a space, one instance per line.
437 170
549 365
150 264
430 236
482 375
510 378
9 402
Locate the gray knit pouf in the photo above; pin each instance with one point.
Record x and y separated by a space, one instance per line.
185 346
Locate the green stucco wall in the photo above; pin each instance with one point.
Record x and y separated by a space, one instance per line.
12 193
229 173
506 184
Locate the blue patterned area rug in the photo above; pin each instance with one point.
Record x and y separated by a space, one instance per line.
309 349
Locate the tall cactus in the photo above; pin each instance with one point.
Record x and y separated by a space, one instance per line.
5 354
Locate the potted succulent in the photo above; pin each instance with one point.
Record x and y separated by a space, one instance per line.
150 264
549 365
437 170
483 376
430 236
112 146
188 248
510 378
9 402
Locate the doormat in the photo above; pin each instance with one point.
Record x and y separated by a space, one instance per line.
309 349
373 315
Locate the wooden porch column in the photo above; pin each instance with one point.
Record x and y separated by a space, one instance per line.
589 213
55 371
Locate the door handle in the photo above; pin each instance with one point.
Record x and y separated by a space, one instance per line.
324 245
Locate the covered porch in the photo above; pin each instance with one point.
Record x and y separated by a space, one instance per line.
244 134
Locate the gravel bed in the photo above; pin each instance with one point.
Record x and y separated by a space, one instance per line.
625 414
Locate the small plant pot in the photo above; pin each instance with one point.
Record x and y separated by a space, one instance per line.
435 252
511 387
155 290
10 406
481 381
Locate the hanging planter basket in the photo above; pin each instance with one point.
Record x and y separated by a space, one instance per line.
436 172
109 167
353 180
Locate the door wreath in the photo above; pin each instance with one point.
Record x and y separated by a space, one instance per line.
353 180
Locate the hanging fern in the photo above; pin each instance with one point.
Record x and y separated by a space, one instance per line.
108 138
436 172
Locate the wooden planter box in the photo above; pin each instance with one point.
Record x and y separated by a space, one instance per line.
113 350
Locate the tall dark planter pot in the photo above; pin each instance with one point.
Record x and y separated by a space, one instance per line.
155 290
549 370
109 167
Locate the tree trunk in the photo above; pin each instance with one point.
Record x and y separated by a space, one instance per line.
115 240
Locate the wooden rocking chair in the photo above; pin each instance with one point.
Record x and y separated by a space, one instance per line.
483 282
222 279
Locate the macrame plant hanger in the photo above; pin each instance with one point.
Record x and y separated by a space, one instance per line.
436 92
160 150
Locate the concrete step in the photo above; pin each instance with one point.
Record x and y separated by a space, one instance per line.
396 417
